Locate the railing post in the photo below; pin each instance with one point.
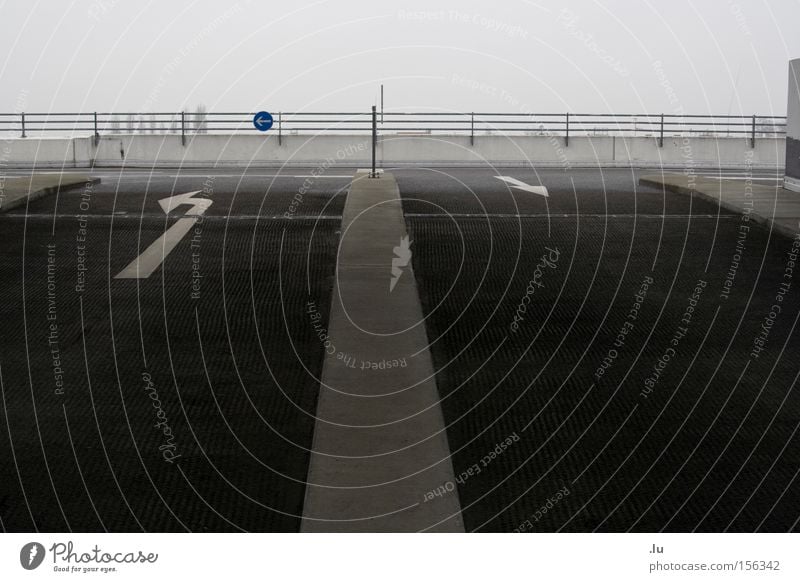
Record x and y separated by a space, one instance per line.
280 136
23 123
753 134
374 174
472 129
566 139
96 133
661 133
183 128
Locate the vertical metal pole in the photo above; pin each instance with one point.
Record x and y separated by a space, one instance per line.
566 140
661 134
374 140
753 134
280 128
183 128
96 133
381 103
23 124
472 129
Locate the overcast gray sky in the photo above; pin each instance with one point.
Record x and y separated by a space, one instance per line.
709 56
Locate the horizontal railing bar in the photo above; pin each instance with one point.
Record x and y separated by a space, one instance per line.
403 113
390 128
400 123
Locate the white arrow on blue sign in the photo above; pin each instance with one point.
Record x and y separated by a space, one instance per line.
262 121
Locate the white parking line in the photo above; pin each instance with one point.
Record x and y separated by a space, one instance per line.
246 175
334 177
754 178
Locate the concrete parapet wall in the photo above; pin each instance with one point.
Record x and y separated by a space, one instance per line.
50 152
683 151
393 150
231 150
501 150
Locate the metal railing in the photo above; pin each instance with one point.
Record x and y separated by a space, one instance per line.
400 123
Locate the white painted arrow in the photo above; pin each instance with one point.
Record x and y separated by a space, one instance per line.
200 204
518 184
145 264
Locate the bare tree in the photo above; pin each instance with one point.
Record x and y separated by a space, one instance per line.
200 122
767 129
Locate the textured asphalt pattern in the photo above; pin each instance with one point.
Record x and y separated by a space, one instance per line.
231 373
544 434
173 403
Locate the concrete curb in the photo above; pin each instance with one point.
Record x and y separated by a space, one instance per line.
757 217
21 197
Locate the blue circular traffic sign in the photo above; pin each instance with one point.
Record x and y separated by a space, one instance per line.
262 121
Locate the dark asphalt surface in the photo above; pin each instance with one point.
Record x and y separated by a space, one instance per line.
235 370
710 445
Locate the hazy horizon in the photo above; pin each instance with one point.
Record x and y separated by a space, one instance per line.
521 56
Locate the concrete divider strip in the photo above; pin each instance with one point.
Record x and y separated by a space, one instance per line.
380 459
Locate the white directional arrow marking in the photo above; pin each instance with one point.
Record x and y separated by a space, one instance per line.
518 184
171 203
145 264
